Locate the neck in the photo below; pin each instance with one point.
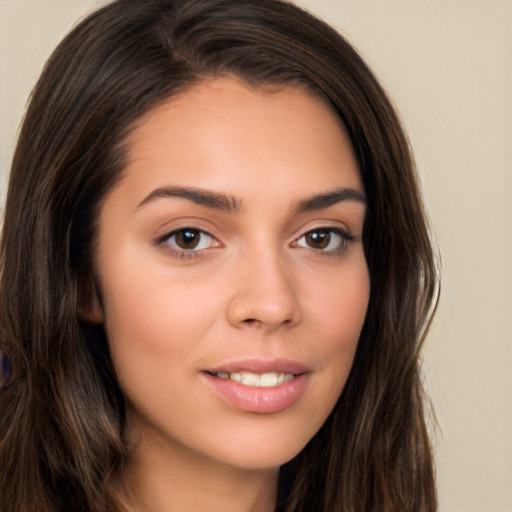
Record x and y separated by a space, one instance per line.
163 478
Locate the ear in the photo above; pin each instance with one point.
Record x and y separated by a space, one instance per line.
90 309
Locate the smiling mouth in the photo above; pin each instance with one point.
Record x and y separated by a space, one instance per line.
260 380
260 386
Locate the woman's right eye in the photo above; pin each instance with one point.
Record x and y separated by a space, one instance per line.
187 240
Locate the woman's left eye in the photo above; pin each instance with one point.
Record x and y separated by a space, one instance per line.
331 240
188 240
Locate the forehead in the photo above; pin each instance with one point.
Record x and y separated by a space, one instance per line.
223 131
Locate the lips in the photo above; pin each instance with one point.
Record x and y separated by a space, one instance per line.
262 366
258 386
261 380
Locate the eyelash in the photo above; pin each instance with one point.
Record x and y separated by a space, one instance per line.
163 241
345 238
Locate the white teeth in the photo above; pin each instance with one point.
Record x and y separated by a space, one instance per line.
268 379
250 379
263 380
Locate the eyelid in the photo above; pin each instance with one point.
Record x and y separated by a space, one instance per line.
345 238
163 242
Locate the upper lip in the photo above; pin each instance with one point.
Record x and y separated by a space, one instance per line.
261 366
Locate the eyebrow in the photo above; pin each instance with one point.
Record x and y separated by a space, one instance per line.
232 204
321 201
215 200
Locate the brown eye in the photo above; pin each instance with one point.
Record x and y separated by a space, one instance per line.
318 239
189 239
329 240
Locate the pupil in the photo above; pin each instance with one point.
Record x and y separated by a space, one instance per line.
187 238
318 239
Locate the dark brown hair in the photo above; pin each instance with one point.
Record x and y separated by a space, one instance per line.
62 425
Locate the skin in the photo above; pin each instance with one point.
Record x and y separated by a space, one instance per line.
255 288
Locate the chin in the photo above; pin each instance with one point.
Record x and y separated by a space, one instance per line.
268 448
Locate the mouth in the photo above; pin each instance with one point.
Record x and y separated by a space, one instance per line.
260 373
259 380
260 386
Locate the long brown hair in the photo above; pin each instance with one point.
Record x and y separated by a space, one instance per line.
62 424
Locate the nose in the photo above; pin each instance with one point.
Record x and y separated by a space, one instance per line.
264 296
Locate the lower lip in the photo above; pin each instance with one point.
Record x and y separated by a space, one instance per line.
263 400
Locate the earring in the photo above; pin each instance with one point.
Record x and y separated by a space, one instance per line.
6 368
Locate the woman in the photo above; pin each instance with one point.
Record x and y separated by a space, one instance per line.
216 272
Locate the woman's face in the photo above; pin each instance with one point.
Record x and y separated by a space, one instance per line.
231 273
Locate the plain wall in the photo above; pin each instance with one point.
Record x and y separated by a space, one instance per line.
447 64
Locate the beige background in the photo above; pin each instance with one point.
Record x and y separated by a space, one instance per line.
448 66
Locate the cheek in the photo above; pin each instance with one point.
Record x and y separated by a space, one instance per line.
339 310
154 319
339 302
